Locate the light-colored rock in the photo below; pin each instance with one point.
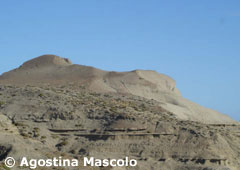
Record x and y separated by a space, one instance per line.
53 70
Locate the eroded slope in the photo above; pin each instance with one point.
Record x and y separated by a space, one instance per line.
51 121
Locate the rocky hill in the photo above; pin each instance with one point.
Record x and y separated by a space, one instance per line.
50 107
54 70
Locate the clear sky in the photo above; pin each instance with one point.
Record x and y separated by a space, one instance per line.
197 43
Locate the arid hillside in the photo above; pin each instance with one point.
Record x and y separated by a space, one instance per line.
53 70
53 121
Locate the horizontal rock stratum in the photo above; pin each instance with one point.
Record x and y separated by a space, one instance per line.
50 107
54 70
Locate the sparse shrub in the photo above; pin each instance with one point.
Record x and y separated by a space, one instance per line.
64 142
36 135
54 136
78 125
2 166
41 95
43 137
36 132
20 124
36 129
24 134
2 103
113 109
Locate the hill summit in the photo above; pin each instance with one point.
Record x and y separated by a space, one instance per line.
46 60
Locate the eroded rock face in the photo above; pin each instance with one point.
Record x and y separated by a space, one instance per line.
53 121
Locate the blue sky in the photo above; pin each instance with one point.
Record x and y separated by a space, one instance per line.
195 42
